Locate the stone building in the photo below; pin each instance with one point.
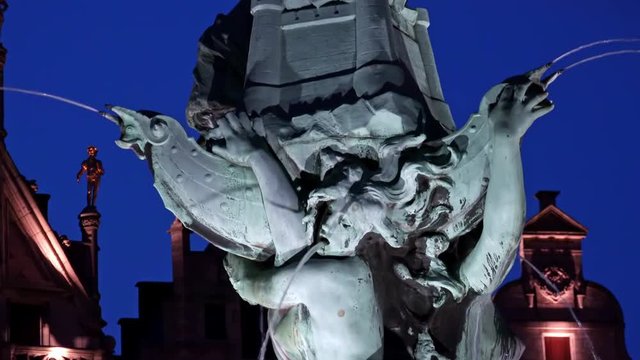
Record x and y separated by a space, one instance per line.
198 315
541 312
49 300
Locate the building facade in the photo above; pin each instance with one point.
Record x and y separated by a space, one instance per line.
49 303
198 315
49 299
552 308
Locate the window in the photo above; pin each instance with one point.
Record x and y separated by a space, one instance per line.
557 348
25 324
215 321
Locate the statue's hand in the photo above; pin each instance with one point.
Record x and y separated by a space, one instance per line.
202 115
240 139
517 107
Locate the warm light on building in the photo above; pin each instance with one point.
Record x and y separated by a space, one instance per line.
49 300
58 353
563 316
558 346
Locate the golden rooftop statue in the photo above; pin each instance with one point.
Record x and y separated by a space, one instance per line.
94 170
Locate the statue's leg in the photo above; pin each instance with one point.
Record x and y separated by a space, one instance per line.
89 203
426 349
94 192
256 283
330 310
486 335
473 329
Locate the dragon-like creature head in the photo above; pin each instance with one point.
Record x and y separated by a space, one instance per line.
139 129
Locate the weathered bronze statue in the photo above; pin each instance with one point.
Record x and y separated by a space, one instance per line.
94 170
328 134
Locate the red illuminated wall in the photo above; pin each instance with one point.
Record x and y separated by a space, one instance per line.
541 316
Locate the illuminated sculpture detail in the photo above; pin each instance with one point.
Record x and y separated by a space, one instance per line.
352 152
559 278
93 169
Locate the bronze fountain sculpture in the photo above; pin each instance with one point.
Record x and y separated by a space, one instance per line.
346 151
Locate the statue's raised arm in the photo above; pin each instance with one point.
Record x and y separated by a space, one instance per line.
518 105
283 209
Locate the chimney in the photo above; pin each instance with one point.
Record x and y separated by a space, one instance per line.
180 248
43 203
42 200
547 198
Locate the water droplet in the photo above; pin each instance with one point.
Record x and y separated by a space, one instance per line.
180 178
194 152
208 177
473 129
174 149
341 313
224 206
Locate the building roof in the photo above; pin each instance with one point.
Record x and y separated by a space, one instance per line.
552 220
42 244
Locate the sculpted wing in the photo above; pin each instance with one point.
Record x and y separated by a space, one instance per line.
470 174
220 201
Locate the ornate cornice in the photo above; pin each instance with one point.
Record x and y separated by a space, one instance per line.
90 222
556 283
89 217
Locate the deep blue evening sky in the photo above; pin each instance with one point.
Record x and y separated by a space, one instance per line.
140 54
